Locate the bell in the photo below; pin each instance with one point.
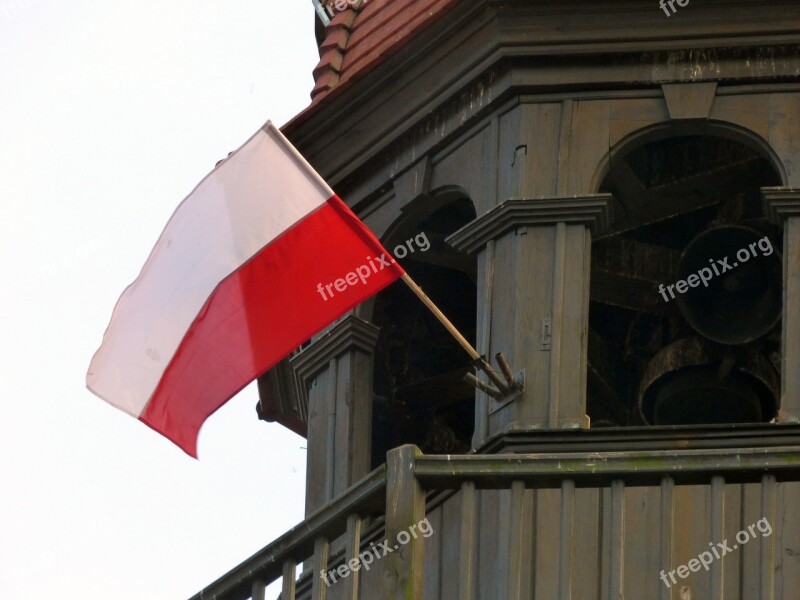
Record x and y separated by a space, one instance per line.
734 290
692 382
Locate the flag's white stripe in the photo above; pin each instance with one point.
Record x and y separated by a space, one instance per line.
259 192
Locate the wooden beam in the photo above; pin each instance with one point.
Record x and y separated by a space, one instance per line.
405 506
593 469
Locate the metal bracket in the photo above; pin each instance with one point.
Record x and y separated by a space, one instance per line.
501 391
547 334
496 405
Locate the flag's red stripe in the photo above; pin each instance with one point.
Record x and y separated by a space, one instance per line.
262 312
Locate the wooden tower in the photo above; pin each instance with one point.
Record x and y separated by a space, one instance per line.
567 161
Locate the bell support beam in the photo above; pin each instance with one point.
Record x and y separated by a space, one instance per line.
782 205
533 285
335 372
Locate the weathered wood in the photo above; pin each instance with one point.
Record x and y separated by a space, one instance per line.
767 545
783 206
467 543
299 542
435 558
586 544
259 591
551 235
637 439
508 100
566 540
717 522
547 533
335 372
689 100
616 534
667 532
516 538
600 468
319 588
352 550
491 547
642 510
288 588
405 507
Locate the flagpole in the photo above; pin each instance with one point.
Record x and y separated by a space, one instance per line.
441 316
478 360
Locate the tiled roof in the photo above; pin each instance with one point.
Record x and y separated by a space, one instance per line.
359 38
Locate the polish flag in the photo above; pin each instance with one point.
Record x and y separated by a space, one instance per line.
256 260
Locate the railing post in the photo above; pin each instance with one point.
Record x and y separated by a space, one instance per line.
258 590
321 553
289 576
352 549
405 507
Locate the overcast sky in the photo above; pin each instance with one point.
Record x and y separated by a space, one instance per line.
110 113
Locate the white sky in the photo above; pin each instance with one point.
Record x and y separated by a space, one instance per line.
110 113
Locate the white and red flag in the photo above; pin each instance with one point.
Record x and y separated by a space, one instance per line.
257 259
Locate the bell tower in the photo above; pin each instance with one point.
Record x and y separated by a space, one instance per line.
616 211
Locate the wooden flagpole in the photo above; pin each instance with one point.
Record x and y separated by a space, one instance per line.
477 359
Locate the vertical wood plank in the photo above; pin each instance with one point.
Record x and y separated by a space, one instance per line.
567 540
318 461
447 545
546 532
516 539
330 430
486 262
466 550
321 552
604 509
733 520
541 131
557 302
667 533
352 549
641 554
783 205
405 506
434 555
288 588
717 573
767 545
259 590
692 535
616 565
586 545
790 340
564 143
750 512
589 143
784 133
491 515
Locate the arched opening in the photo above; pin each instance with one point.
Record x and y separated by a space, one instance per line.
419 393
678 334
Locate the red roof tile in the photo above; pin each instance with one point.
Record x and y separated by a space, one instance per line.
358 39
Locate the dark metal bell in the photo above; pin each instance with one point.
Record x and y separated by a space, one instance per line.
692 381
741 301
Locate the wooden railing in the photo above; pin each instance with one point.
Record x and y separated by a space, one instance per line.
398 489
308 539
